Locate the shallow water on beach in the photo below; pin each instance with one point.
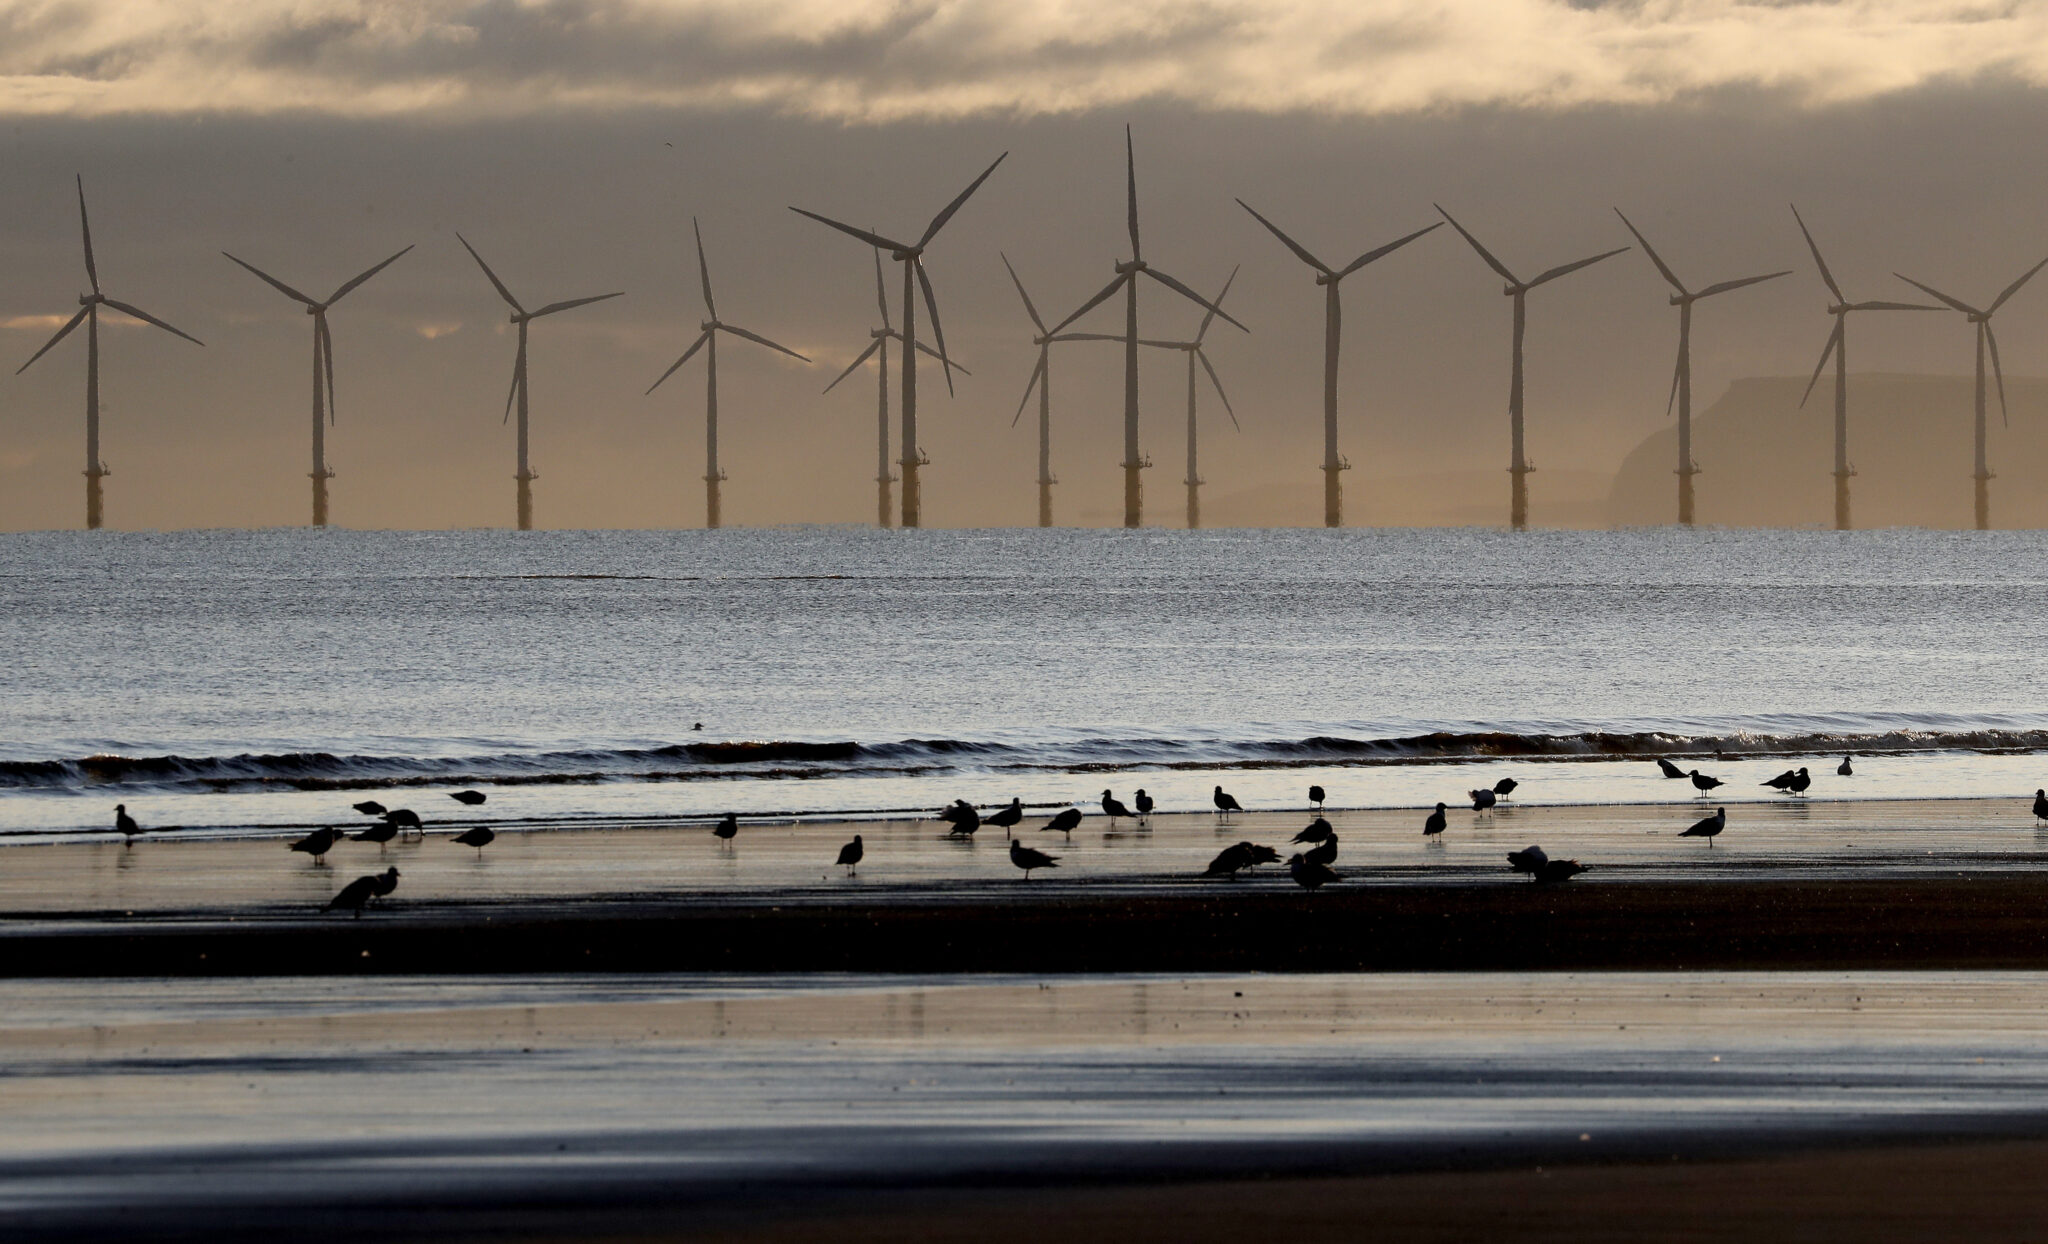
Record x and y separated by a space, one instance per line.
216 680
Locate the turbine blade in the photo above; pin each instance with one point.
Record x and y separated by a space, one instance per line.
954 363
758 339
326 361
1892 306
1932 292
1655 258
1991 339
1185 292
881 292
1386 250
1095 302
1036 374
1131 173
939 221
1725 286
518 378
1818 262
1089 337
931 307
272 281
1485 254
2014 288
497 284
337 295
1300 251
92 270
703 269
862 357
694 347
1217 381
147 318
1028 308
872 239
62 333
1210 318
1564 269
553 307
1827 352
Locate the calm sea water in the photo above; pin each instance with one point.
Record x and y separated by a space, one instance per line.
222 679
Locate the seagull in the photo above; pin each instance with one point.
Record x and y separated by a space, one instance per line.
1799 783
380 833
1065 822
1846 769
1668 769
1710 827
387 881
1530 860
1784 781
1112 807
1309 876
1260 855
480 837
1505 787
1701 782
2041 805
1229 861
125 823
1316 796
1436 822
849 855
356 894
469 797
728 827
1006 819
1143 802
370 807
1483 799
1317 831
1325 854
1554 872
319 842
965 822
955 810
1226 802
406 818
1027 859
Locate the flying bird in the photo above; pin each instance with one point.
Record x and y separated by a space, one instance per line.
1505 787
480 837
1554 872
849 855
1324 854
1064 823
1315 796
319 842
1309 876
1709 828
357 894
1226 802
470 798
125 823
1483 799
370 807
1112 807
1318 830
1006 819
1436 823
1529 860
728 827
1027 859
1701 782
1846 769
1668 769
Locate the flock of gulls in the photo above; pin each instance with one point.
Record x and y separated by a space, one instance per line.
1310 867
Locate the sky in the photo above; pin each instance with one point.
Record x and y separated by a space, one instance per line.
573 142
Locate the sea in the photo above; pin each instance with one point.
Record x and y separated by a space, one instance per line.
232 682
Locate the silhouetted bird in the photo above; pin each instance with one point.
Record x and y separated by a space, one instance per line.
1260 855
1799 783
1006 819
953 811
1317 831
1143 803
1315 796
319 842
1309 876
1225 801
1845 769
849 855
1324 854
1112 807
405 819
124 822
1529 860
370 807
380 833
1784 781
1229 861
1027 859
1065 822
1709 828
1701 782
1556 871
470 798
728 827
480 837
1483 799
1436 822
357 894
965 822
1668 769
1505 787
2041 805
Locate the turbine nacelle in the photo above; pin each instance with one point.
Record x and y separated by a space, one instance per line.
1136 265
87 300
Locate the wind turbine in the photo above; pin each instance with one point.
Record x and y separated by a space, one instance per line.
1333 324
1518 289
1127 280
1041 379
880 345
1195 353
1838 346
89 311
1681 375
1985 337
911 256
713 476
323 369
522 317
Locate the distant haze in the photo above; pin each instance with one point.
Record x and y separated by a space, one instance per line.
572 142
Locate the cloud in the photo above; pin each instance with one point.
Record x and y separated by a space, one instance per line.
871 61
440 328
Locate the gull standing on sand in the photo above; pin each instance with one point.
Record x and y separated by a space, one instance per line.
1668 769
849 855
1066 822
1229 861
356 894
1113 808
1846 769
728 827
1310 876
1436 823
480 837
1710 828
1318 830
1530 860
1483 799
1316 796
1324 854
319 842
405 819
1143 802
468 798
965 821
1701 782
1006 819
1505 787
1790 782
125 823
380 833
1226 803
1027 859
2041 805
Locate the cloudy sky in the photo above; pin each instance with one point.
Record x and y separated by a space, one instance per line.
573 141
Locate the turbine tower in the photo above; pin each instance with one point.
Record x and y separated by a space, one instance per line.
323 369
707 340
1041 379
880 345
522 317
1518 289
1838 346
1333 327
911 256
89 311
1195 353
1985 337
1127 280
1681 375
